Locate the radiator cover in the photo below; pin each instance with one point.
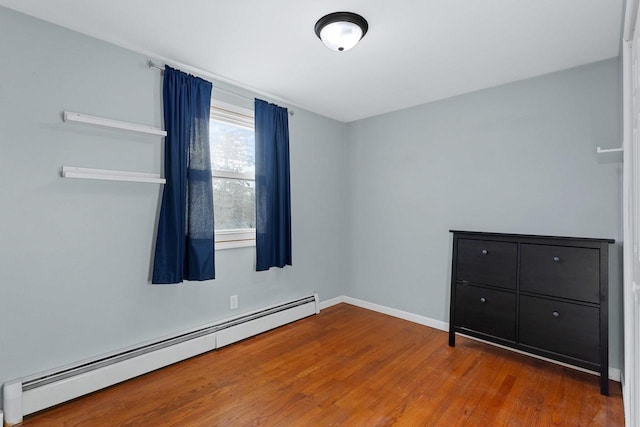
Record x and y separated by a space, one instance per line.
24 396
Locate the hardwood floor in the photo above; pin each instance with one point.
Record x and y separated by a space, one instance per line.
354 367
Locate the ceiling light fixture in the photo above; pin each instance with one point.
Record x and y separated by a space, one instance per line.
340 31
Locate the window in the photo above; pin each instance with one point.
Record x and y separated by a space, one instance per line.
232 140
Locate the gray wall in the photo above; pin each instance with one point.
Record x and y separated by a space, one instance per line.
75 254
519 158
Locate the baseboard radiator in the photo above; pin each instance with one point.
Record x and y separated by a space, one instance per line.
27 395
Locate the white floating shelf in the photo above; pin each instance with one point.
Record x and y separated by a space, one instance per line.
111 175
114 124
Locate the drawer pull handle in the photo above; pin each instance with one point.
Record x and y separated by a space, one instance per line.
484 252
556 314
483 300
556 259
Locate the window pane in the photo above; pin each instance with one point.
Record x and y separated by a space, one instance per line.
234 203
232 147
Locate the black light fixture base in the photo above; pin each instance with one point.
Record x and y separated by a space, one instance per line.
341 17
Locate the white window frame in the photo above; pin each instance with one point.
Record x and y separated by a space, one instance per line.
222 111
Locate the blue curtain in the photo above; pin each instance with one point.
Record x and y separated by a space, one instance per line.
184 246
273 199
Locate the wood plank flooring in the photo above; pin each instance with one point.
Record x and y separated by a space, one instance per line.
353 367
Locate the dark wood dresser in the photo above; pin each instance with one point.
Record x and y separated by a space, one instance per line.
540 294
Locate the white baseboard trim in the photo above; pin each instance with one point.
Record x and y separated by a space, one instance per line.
333 301
411 317
614 373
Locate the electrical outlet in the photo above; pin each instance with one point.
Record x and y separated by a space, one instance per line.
233 302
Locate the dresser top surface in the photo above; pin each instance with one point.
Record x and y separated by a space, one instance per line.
528 236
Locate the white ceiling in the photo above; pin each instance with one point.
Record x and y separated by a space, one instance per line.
416 51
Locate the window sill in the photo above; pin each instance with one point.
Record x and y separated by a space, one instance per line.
236 238
232 244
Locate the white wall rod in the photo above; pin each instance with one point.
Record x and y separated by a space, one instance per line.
114 124
152 64
609 150
111 175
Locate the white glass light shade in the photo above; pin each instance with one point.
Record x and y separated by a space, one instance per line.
341 36
340 31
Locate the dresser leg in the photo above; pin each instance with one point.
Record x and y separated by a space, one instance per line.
452 338
604 383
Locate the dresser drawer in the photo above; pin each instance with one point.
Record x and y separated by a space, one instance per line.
486 310
561 271
487 262
560 327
